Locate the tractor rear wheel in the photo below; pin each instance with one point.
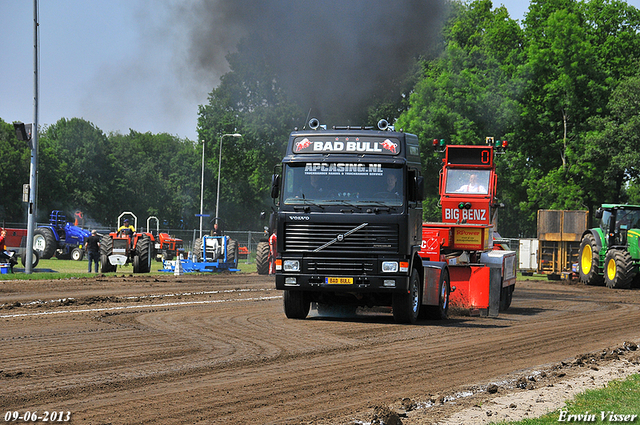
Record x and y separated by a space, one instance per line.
197 249
142 259
106 248
262 257
589 258
44 241
232 251
618 269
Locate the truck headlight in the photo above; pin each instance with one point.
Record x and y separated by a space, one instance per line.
389 267
291 265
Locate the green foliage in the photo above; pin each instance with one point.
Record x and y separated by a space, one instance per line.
13 174
548 88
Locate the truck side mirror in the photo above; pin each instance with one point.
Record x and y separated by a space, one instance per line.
275 186
599 213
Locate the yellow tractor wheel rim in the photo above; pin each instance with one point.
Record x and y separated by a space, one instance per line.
587 259
611 269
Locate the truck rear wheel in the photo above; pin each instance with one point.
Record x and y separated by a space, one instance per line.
406 305
296 304
618 269
262 257
440 311
589 258
44 241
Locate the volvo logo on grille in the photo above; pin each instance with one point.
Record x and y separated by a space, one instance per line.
299 217
340 238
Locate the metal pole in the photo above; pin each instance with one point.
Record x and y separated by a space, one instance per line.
33 182
202 188
219 166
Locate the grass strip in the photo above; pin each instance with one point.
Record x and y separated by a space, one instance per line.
618 402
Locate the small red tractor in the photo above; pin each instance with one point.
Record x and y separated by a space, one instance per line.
125 246
166 247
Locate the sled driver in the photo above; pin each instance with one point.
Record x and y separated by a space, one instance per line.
473 185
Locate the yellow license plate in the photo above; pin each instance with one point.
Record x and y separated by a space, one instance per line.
339 280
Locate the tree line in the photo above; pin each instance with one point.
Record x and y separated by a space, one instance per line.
562 87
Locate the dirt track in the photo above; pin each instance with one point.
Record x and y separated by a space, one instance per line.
218 349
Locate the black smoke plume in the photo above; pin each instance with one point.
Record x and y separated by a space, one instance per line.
330 56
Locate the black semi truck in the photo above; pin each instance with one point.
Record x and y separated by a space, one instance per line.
348 224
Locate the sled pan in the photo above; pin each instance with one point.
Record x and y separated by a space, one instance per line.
477 289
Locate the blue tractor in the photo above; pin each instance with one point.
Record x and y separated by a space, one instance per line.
60 238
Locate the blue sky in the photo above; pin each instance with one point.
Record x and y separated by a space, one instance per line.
117 63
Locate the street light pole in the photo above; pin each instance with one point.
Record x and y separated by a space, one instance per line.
201 189
219 164
33 180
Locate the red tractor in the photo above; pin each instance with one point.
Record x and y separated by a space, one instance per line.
126 246
166 247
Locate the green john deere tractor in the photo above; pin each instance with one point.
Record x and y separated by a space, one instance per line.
610 254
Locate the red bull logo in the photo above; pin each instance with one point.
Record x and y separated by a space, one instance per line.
302 144
390 146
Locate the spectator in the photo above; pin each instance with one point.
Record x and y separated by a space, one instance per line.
93 249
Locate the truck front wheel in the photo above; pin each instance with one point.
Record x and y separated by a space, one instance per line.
406 304
296 304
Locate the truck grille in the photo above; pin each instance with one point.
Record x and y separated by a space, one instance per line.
336 265
371 239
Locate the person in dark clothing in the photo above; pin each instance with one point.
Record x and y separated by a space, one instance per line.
93 249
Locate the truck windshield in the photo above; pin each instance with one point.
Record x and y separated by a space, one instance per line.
467 181
340 183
